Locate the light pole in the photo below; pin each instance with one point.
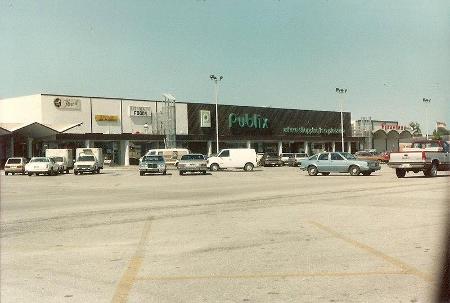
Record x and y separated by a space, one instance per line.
426 101
216 92
341 92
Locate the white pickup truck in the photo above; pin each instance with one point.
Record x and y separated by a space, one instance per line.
427 156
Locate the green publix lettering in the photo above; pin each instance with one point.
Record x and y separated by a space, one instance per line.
254 121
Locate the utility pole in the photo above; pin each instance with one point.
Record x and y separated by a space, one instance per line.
341 92
426 101
216 93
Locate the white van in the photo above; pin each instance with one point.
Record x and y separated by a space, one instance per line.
171 155
244 158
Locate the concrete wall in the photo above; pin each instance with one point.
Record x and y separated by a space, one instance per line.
134 124
26 109
109 107
182 118
61 117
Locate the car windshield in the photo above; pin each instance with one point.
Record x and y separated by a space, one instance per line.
58 159
40 160
348 156
192 157
14 161
86 158
153 159
314 157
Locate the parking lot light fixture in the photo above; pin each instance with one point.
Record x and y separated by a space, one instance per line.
426 101
216 80
341 92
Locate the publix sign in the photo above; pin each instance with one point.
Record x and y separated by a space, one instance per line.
248 121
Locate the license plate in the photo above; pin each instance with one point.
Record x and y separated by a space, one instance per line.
406 165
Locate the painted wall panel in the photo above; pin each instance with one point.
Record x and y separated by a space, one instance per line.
133 122
25 109
106 116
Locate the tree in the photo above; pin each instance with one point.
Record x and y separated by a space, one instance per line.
415 126
439 132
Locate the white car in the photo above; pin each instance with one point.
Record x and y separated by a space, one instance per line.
41 165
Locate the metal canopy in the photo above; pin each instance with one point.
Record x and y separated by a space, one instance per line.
33 130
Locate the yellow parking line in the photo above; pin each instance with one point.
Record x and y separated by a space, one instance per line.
406 268
129 276
270 275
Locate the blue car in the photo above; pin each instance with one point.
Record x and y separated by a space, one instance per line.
338 162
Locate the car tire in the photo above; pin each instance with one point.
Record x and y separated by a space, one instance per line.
312 170
98 170
67 171
401 173
248 167
29 174
366 173
204 172
75 172
165 172
431 171
354 170
141 173
6 173
326 174
181 173
214 167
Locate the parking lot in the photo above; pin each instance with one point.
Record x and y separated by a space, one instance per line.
271 235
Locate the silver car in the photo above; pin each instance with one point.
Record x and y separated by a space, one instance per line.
192 163
338 162
15 166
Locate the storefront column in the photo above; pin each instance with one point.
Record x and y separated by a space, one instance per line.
126 151
11 147
30 148
306 147
88 144
349 147
249 144
280 147
333 145
209 148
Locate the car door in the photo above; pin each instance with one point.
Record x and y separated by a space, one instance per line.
323 162
225 159
338 163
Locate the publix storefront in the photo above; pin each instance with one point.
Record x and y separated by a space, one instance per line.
266 129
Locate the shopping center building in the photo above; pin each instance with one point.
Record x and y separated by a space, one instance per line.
126 128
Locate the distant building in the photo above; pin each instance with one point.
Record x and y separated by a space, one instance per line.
381 135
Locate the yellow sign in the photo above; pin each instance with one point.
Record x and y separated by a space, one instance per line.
106 118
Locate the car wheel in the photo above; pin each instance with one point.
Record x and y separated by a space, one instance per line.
312 170
401 173
214 167
98 170
6 173
29 174
141 173
433 170
164 172
204 172
181 173
354 170
326 174
248 167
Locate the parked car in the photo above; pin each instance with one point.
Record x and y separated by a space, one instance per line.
296 159
15 166
192 163
285 157
241 158
339 162
62 156
171 155
152 164
61 164
41 165
271 159
426 156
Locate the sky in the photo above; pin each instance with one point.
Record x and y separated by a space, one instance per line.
389 55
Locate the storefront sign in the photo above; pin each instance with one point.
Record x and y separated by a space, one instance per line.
248 121
67 103
205 118
311 130
385 126
106 118
140 111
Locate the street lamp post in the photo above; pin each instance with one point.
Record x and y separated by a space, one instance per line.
341 92
216 92
426 101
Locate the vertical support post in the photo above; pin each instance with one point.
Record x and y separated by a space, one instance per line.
249 144
126 151
209 148
280 147
349 147
306 147
333 146
88 144
11 146
29 148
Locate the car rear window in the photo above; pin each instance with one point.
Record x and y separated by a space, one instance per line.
86 158
192 157
14 161
40 160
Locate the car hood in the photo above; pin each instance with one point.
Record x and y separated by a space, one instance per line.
151 162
